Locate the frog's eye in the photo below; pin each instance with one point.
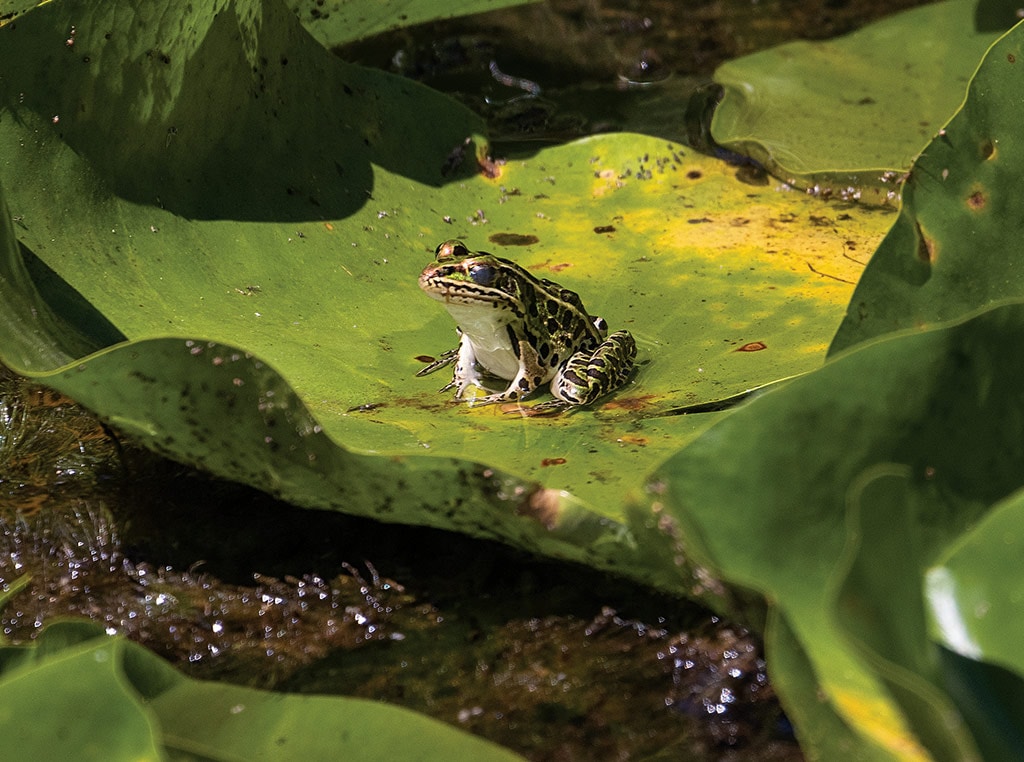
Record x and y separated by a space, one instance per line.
448 250
482 275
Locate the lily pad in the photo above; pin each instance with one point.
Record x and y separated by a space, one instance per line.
902 444
106 698
954 247
851 114
243 296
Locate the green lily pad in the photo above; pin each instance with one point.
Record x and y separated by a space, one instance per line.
952 249
851 114
243 296
78 694
902 444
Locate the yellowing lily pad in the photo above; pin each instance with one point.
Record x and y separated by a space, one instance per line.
246 299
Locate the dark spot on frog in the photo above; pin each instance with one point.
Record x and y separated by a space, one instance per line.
754 346
513 340
537 381
554 360
552 324
531 308
552 462
513 239
524 384
604 229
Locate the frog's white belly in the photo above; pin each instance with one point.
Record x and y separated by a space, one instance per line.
487 330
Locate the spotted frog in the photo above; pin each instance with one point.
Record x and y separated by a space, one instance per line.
526 330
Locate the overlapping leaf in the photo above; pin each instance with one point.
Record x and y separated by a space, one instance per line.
904 443
956 245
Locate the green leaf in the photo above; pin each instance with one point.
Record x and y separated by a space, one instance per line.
973 600
954 247
891 452
340 21
83 695
231 722
244 296
783 107
90 712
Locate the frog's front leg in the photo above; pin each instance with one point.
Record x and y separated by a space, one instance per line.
465 373
592 374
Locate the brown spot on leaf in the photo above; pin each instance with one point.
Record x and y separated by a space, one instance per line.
987 149
1011 58
552 462
754 346
604 229
512 239
976 201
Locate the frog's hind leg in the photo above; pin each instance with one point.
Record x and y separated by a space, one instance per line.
590 375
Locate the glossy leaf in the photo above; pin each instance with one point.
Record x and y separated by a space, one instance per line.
900 78
973 600
901 445
251 285
952 249
106 698
92 714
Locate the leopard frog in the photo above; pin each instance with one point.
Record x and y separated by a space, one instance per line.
522 329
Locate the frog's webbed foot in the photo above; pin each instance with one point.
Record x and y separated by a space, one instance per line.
446 358
518 388
492 399
551 407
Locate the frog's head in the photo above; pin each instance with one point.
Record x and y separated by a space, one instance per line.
470 277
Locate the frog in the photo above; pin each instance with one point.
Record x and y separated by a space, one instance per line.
526 330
